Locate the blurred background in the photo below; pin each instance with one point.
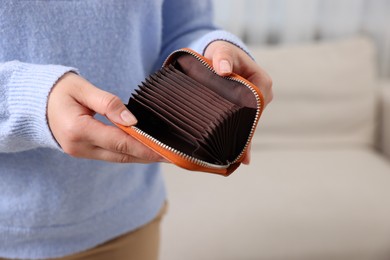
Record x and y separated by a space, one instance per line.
318 186
299 21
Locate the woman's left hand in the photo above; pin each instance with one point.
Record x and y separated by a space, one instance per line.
228 58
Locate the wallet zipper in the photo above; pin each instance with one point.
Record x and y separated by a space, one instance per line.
257 116
188 157
181 154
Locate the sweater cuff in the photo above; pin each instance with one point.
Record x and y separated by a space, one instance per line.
29 88
201 44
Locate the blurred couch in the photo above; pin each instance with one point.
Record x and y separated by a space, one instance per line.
318 186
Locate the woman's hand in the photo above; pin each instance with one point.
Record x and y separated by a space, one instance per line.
72 104
228 58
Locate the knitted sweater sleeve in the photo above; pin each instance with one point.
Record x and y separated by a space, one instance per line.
24 89
189 23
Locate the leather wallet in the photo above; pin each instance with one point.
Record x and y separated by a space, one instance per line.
193 117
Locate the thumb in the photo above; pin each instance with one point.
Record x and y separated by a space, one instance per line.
222 57
106 104
117 112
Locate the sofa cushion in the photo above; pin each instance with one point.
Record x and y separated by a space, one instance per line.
324 94
288 204
384 136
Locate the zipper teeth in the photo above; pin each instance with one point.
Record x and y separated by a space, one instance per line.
190 158
185 156
253 128
258 100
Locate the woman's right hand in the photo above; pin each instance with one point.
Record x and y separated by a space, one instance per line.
71 107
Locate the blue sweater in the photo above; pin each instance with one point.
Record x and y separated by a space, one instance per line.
51 204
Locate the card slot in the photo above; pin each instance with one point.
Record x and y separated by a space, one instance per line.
214 143
244 127
170 134
191 85
188 128
218 135
223 141
207 91
239 140
173 109
233 133
214 135
162 101
188 116
226 109
155 124
205 152
175 73
225 135
176 99
196 98
212 125
234 91
174 88
191 99
179 119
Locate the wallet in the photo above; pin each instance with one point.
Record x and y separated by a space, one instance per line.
193 117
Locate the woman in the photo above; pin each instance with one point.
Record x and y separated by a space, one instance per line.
63 193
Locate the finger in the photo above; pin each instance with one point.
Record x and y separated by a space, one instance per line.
88 151
247 157
241 64
223 58
264 82
115 140
104 103
250 70
110 106
103 154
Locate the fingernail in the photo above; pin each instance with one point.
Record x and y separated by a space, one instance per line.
128 117
225 67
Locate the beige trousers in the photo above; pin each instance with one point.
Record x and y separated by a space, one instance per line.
140 244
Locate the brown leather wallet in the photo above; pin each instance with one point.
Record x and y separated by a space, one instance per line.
193 117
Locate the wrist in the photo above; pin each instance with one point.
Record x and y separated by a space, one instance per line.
31 85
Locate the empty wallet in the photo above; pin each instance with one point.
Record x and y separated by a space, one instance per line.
193 117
